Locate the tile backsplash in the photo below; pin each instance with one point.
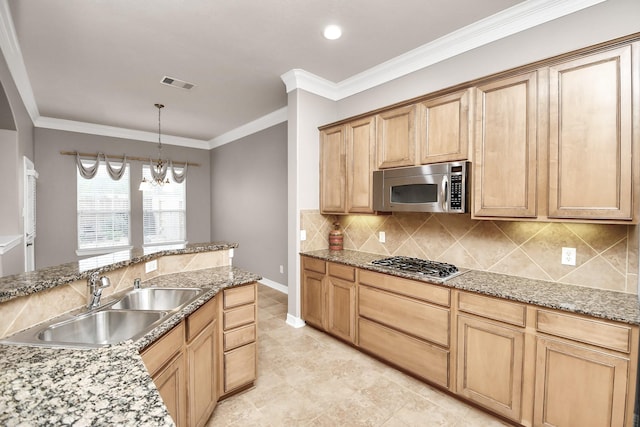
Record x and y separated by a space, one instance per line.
607 254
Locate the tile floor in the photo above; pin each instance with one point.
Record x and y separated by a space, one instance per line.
307 378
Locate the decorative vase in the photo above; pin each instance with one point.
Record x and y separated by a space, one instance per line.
335 238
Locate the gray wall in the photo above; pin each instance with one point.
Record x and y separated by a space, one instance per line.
56 190
249 200
16 141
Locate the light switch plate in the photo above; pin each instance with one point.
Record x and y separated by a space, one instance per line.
303 235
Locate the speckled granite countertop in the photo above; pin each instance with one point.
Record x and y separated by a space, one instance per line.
105 386
28 283
600 303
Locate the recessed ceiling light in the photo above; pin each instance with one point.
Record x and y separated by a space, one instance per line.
332 32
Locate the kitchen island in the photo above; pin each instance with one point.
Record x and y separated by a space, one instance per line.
102 386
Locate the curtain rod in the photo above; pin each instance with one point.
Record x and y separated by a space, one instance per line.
139 159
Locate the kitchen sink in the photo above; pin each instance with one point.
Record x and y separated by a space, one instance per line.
130 317
162 299
102 327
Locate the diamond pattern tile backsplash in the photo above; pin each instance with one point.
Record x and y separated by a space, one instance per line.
607 254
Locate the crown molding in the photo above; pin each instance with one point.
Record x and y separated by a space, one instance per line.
518 18
15 62
264 122
116 132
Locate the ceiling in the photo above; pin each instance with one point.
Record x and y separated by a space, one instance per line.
101 61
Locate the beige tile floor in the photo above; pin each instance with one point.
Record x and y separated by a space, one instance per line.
307 378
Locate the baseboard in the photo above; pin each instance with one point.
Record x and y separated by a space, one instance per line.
294 321
275 285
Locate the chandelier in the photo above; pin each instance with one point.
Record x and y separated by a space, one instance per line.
158 168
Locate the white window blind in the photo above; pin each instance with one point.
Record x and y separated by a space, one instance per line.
103 211
164 212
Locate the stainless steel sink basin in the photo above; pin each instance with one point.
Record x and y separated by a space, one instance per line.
102 327
156 299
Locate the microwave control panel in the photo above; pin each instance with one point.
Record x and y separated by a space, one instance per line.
457 193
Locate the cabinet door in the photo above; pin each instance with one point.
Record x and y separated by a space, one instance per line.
239 367
396 137
506 148
333 170
444 128
313 298
361 143
171 383
590 145
341 308
577 386
201 361
490 364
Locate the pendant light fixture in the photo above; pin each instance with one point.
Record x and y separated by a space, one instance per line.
158 168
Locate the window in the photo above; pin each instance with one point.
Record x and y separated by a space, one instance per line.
164 212
103 212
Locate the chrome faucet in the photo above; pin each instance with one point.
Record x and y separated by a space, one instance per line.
96 285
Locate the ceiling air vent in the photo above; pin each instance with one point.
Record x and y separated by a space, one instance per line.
170 81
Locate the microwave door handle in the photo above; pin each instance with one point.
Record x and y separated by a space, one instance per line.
445 184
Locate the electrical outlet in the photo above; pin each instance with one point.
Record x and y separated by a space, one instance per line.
568 256
151 266
282 269
303 235
382 237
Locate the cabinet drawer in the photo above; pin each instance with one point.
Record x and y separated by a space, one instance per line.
492 308
404 314
239 367
314 264
163 350
590 331
199 319
412 288
239 316
241 295
342 272
239 337
427 361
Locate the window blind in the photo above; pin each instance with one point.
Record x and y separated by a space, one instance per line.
164 212
103 211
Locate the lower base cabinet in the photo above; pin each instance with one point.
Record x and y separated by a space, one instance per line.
579 386
490 365
210 354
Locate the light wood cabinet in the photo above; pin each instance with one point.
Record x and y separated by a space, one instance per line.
202 392
361 156
490 365
333 172
165 362
579 386
347 161
396 137
329 297
591 153
400 321
238 354
341 302
445 127
506 144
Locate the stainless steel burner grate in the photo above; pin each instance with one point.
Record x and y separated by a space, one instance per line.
417 265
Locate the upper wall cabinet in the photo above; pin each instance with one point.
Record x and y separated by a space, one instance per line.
333 172
506 147
396 137
591 151
347 161
445 125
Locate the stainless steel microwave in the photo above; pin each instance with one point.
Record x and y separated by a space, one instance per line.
439 187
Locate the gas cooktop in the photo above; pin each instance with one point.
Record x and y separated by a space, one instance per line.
427 268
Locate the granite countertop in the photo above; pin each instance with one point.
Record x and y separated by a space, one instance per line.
35 281
103 386
600 303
